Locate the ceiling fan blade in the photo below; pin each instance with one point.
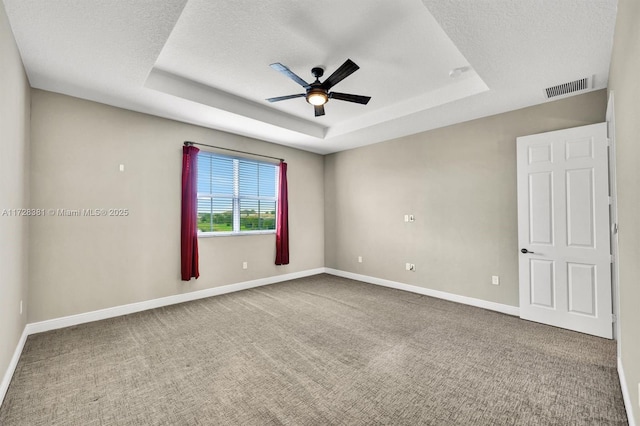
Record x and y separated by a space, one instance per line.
284 98
345 70
350 98
286 71
319 109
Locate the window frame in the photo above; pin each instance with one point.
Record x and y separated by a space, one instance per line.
236 198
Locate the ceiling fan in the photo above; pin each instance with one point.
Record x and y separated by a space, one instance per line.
317 93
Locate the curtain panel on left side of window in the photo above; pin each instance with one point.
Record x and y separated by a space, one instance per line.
188 227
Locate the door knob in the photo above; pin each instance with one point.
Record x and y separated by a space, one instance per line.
525 251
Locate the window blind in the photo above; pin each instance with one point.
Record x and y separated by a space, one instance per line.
236 195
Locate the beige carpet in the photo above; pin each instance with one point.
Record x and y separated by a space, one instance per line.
315 351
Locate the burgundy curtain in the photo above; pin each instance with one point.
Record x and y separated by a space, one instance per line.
282 223
189 229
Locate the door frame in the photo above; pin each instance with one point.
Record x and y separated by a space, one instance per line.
613 216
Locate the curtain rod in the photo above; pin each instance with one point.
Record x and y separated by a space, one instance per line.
189 143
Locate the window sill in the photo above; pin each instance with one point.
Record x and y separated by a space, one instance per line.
233 234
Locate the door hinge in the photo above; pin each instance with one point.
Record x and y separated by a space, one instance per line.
613 318
608 141
613 259
615 228
610 200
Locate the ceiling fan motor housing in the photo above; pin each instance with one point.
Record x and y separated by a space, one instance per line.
317 72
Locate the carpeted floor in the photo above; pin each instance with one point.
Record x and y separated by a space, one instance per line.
321 350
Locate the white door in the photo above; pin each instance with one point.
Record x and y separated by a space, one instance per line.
563 229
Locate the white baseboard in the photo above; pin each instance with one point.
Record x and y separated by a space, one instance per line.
116 311
6 380
498 307
625 394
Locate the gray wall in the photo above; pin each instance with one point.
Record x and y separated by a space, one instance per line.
14 150
459 182
81 264
623 81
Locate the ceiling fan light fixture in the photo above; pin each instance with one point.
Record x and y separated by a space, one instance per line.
317 97
317 93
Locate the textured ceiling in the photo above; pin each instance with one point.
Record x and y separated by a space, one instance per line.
207 62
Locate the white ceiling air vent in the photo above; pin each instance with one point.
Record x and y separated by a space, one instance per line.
570 87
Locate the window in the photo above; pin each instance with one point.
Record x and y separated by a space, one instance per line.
236 195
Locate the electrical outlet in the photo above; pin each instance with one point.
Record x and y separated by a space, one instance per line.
495 280
406 218
412 218
359 259
410 267
245 265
